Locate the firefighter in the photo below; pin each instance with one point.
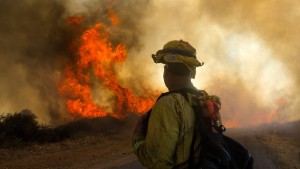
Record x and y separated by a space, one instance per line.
163 139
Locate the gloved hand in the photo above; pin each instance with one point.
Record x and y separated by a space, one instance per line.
141 127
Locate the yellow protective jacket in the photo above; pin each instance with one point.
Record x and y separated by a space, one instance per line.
170 133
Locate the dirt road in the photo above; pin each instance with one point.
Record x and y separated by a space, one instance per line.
270 149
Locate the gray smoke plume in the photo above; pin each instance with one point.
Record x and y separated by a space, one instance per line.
250 50
35 46
276 24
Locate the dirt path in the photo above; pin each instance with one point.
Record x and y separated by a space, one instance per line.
128 162
262 157
270 150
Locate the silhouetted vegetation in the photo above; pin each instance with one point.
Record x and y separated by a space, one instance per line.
21 128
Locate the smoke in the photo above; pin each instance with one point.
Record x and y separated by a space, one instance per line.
37 43
268 67
32 46
250 51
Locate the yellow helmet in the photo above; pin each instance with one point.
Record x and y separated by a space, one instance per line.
178 51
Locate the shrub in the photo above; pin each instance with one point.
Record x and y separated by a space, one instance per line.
22 126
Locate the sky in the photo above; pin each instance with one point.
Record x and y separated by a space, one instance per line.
250 51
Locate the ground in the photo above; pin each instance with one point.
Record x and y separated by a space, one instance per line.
271 148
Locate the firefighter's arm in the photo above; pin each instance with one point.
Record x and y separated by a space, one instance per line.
158 148
141 127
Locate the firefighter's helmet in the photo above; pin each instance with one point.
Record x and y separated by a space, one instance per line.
178 51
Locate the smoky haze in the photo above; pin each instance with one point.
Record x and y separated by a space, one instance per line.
276 24
250 51
33 43
37 43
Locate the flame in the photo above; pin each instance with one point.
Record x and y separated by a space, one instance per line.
75 20
98 58
113 17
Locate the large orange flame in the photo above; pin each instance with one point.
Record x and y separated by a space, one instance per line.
98 58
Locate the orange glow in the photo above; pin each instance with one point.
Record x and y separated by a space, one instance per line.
75 20
113 17
266 116
233 123
96 61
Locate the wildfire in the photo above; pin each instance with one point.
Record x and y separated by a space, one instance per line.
96 61
113 17
75 20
